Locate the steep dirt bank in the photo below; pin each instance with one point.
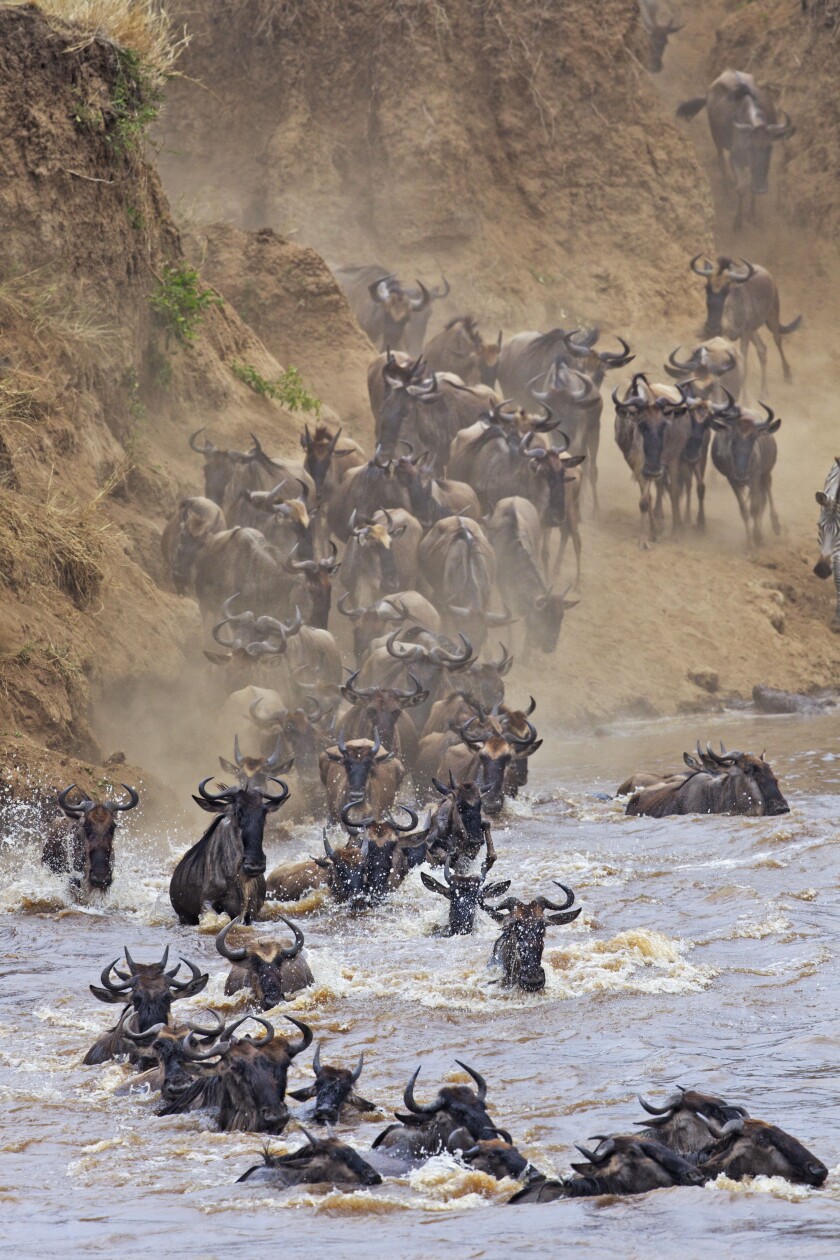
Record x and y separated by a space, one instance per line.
288 296
519 147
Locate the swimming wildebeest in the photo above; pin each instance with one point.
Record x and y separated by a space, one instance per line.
624 1164
427 1127
333 1089
518 951
86 851
225 870
270 970
725 783
323 1161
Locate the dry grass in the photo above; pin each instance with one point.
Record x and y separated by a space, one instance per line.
56 543
143 26
59 320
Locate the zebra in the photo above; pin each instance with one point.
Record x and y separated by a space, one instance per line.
829 534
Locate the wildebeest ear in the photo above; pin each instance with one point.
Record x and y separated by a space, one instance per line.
212 807
496 890
570 603
228 765
774 425
529 752
566 917
573 461
433 886
585 1170
691 762
415 854
337 757
361 1104
821 498
105 996
303 1095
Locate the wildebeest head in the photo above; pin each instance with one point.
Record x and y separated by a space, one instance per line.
405 387
755 133
519 949
167 1045
580 347
383 705
198 518
463 1107
358 757
760 781
752 1148
96 822
321 448
629 1165
218 465
369 623
742 430
326 1161
251 637
652 408
332 1089
251 1074
495 1156
246 811
253 773
658 33
495 752
553 466
149 987
466 806
298 728
678 1124
267 964
317 578
720 278
370 542
347 872
465 893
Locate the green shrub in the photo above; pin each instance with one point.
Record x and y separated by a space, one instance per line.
179 302
288 389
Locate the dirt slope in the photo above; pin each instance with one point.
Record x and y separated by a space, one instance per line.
508 144
288 296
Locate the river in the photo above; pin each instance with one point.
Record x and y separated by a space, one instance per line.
706 955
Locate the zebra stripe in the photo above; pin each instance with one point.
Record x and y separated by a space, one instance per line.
829 528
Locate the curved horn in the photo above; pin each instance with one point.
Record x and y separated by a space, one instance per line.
401 826
668 1110
284 792
357 1070
721 1131
477 1077
705 271
73 811
347 821
737 277
293 950
233 955
208 796
178 985
107 983
549 905
427 1109
206 449
603 1153
295 1048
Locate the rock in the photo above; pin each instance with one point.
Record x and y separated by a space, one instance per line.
706 679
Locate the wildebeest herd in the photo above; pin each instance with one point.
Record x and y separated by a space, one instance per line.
444 547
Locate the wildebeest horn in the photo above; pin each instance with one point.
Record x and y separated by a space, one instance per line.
73 811
527 712
444 791
418 692
721 1131
668 1110
133 799
306 1037
233 955
549 905
519 741
738 277
357 1070
477 1077
316 1059
427 1109
706 270
440 655
132 965
603 1153
349 612
208 796
504 663
418 304
401 827
197 973
610 359
293 950
265 722
107 982
284 793
408 651
347 821
726 408
377 743
206 449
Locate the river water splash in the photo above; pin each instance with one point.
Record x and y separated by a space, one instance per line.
706 955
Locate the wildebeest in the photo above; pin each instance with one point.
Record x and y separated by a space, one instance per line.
218 466
323 1161
495 456
381 554
185 536
390 849
255 772
86 850
369 488
312 591
678 1125
384 709
514 532
360 771
651 431
333 1089
325 461
495 1157
712 367
427 1127
530 355
390 312
744 123
739 303
828 530
484 756
458 831
623 1164
576 402
725 783
169 1076
433 498
518 951
753 1148
460 348
149 991
299 728
270 970
248 1077
458 570
465 894
658 33
380 617
225 869
744 451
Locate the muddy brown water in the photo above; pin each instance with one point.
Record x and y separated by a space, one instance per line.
706 955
